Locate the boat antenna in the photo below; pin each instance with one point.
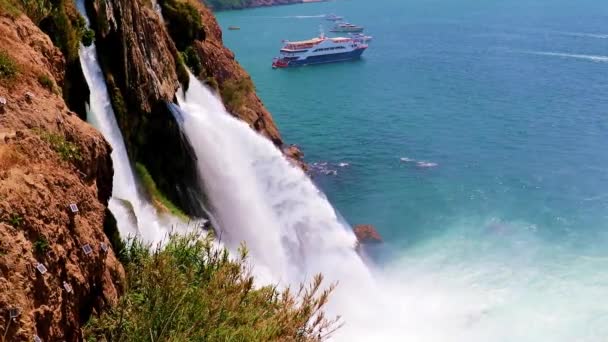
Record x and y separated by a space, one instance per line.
321 32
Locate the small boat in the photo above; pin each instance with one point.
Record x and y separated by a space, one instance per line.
233 28
361 36
347 27
333 17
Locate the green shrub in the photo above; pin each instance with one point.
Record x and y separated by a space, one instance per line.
234 92
191 290
65 26
212 83
15 220
8 66
67 150
41 245
159 200
183 21
190 57
182 71
88 37
36 10
46 82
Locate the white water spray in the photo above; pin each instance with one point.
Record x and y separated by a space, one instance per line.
290 228
448 289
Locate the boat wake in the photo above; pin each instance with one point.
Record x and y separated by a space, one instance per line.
303 16
419 163
593 58
584 35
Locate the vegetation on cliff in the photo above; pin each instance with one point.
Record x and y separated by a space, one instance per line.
60 20
8 66
191 290
160 201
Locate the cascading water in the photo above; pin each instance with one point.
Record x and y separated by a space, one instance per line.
134 215
257 196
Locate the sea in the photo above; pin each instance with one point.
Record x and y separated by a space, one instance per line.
474 136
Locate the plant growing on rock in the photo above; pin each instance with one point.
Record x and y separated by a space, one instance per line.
234 92
8 66
67 150
15 220
183 21
191 290
41 245
46 82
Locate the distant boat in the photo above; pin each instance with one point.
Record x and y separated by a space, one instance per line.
233 28
333 17
361 36
347 27
319 50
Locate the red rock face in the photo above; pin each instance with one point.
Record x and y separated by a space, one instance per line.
37 185
367 234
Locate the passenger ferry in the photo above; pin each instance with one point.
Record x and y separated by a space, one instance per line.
319 50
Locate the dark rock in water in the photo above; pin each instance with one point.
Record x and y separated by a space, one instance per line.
367 234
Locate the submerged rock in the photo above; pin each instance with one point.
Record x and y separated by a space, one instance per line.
367 234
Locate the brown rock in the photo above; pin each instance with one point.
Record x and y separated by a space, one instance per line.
37 184
142 52
367 234
296 156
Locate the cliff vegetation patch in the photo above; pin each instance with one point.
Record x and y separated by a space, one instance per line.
190 290
235 91
8 66
160 201
67 150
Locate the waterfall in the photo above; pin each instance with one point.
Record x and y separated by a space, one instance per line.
259 197
135 216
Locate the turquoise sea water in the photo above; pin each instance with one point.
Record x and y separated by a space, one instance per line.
510 100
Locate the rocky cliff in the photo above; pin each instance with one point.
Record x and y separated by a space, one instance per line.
50 281
142 65
144 59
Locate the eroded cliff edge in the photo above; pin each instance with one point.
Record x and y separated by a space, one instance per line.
49 159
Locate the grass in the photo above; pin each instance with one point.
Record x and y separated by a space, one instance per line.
8 66
46 82
160 201
67 150
15 220
191 290
41 245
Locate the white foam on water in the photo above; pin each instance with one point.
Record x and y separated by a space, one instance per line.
593 58
584 35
